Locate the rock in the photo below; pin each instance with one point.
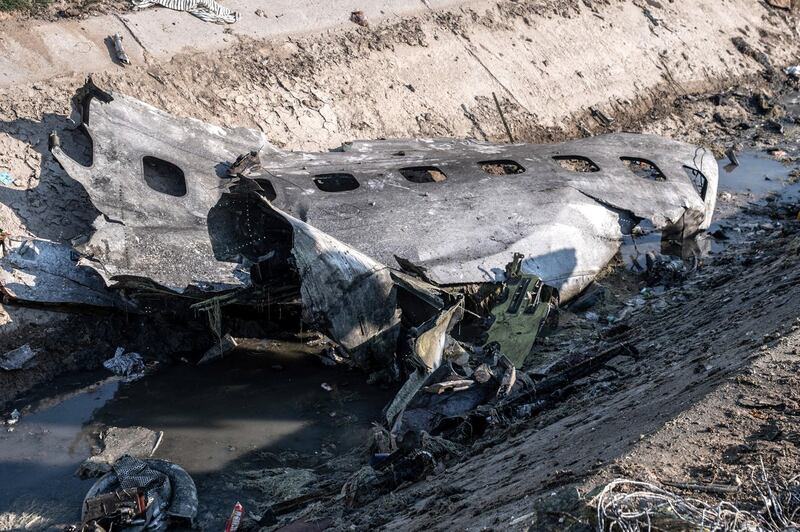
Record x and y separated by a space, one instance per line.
18 358
780 4
116 442
359 18
588 298
125 364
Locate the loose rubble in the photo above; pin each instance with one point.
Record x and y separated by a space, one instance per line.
124 364
17 359
117 442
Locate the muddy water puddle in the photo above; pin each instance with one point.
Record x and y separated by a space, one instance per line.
757 173
217 419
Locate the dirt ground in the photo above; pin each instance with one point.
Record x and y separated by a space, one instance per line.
21 10
714 390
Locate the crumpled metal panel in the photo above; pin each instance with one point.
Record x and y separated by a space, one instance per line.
465 228
142 232
48 272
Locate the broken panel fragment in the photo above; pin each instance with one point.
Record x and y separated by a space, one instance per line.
184 212
154 179
520 312
430 201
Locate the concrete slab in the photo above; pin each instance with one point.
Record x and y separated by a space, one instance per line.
45 50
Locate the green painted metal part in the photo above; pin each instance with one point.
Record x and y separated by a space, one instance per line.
521 312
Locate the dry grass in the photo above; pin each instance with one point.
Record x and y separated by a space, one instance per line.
30 518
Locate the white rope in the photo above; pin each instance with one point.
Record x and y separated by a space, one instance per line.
631 506
208 10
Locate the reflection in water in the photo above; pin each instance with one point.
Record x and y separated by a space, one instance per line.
634 248
41 454
216 418
214 414
757 172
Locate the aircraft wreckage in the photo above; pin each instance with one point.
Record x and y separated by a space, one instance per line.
379 241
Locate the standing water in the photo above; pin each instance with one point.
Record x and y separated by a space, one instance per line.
217 419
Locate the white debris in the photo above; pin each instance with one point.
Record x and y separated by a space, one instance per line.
13 417
17 359
139 442
327 387
125 364
208 10
793 71
226 344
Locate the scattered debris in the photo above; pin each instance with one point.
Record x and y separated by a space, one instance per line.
591 296
170 496
327 387
48 272
601 117
404 465
235 519
456 385
208 10
225 345
520 313
413 457
731 154
629 505
125 364
18 358
121 509
503 118
13 417
625 503
793 71
122 57
708 488
448 398
117 442
358 17
6 178
665 270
